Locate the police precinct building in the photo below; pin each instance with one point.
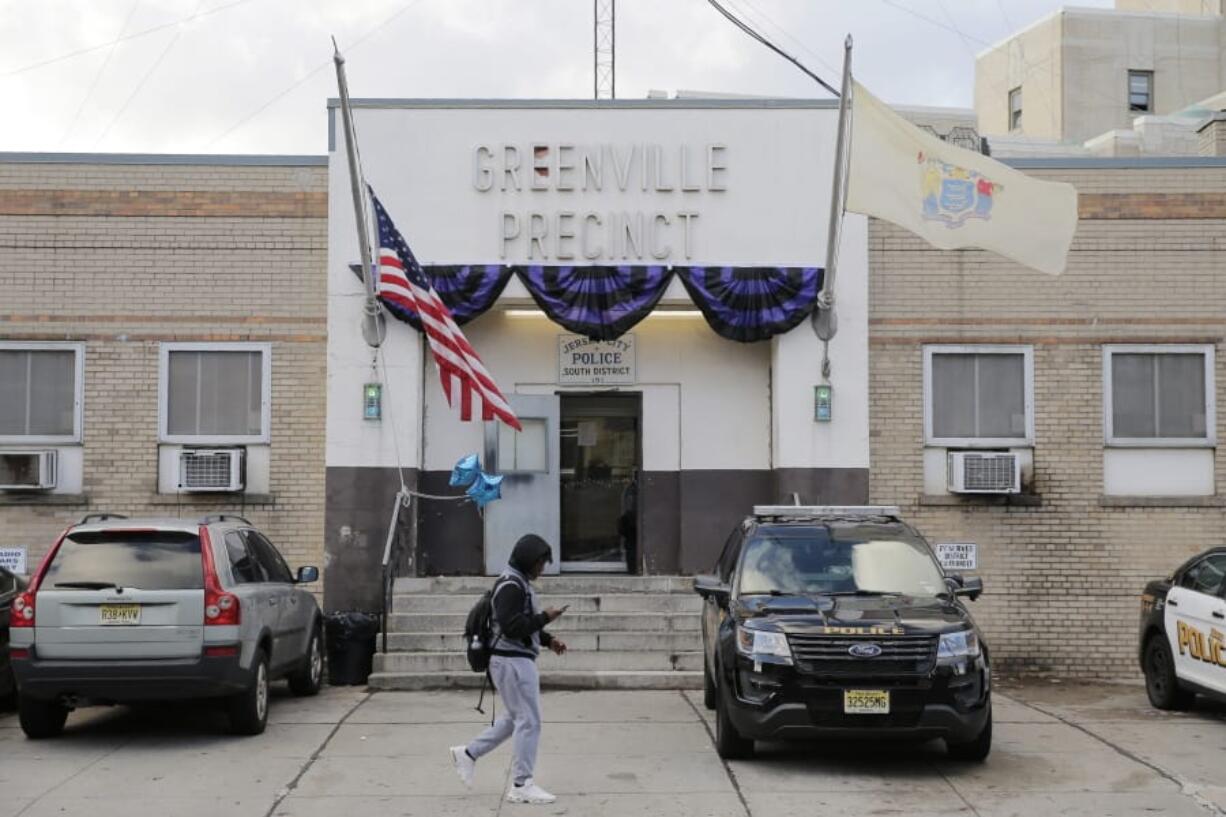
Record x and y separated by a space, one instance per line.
687 237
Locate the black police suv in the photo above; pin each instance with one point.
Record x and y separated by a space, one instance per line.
1183 632
840 622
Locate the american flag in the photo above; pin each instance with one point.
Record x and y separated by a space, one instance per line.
403 284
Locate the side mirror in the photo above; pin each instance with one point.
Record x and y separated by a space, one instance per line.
308 574
971 588
710 587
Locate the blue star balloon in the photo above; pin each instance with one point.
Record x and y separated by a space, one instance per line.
466 470
485 489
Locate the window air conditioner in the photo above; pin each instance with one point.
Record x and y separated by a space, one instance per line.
27 470
211 470
982 472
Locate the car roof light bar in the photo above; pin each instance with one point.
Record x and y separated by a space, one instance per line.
811 511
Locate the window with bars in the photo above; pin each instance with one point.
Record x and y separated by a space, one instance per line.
215 394
1158 394
978 395
40 396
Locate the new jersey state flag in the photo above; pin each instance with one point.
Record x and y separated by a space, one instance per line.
952 197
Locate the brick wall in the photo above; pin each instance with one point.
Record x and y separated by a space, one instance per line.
1211 137
123 256
1063 576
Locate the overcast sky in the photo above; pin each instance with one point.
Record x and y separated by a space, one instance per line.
253 76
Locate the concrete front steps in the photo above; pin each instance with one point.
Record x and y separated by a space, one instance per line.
623 632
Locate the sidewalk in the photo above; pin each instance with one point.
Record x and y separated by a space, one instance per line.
1060 749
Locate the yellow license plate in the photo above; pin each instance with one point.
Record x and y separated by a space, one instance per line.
121 614
866 702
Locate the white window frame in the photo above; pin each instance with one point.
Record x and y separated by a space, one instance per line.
1013 128
1149 91
78 391
1027 353
265 350
1109 438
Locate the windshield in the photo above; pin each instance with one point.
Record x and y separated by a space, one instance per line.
839 558
147 560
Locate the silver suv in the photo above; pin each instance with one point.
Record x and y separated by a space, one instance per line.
126 610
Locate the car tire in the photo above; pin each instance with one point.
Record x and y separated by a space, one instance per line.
310 677
975 750
41 719
1161 683
249 709
729 743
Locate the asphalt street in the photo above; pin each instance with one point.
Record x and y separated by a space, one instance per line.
1061 749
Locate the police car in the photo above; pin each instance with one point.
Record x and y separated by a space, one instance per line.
1183 632
830 622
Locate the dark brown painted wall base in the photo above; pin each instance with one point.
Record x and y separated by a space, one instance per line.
712 503
356 516
685 517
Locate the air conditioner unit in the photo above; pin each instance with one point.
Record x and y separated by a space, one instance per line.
217 469
984 472
27 470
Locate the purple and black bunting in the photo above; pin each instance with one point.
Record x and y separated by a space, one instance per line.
601 303
749 304
745 304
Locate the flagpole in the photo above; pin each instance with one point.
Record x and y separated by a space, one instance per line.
374 329
824 320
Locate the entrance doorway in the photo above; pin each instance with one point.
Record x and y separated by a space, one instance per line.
600 449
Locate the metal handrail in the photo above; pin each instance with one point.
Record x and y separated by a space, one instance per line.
391 557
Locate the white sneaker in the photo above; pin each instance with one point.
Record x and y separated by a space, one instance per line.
464 765
529 793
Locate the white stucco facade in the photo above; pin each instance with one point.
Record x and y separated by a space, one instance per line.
680 182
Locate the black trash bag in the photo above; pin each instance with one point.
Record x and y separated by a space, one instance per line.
350 638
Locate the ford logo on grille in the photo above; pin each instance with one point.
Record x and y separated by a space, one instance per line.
864 650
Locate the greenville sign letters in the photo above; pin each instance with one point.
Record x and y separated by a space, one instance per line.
675 173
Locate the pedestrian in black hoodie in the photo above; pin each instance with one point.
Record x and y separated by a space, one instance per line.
518 635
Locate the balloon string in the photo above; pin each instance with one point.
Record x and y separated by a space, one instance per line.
448 497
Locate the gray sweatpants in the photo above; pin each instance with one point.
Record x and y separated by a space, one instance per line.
519 686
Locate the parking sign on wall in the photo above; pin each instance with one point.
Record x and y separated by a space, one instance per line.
14 558
958 556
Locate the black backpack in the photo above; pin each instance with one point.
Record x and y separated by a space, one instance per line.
479 641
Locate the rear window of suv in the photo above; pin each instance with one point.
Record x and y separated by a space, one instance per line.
145 560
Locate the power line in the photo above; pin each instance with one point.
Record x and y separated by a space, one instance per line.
736 21
140 85
762 13
934 21
98 74
297 84
961 35
143 33
1008 23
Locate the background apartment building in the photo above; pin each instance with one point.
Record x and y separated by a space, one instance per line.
1080 72
162 342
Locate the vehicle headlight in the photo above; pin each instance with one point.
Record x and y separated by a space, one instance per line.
961 644
763 645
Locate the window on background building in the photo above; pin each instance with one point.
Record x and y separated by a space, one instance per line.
1159 395
1015 109
978 395
215 393
1141 91
40 392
